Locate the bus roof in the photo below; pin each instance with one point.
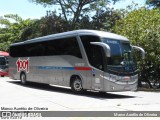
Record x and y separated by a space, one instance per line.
101 34
2 53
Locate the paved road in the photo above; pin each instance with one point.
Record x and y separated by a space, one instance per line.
43 97
53 98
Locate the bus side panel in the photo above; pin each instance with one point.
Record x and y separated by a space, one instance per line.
88 80
73 66
13 74
55 70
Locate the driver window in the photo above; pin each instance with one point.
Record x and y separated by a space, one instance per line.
94 52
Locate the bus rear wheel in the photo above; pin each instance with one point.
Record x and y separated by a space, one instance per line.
76 85
23 78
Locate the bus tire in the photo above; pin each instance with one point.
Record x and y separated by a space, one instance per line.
2 75
76 85
23 78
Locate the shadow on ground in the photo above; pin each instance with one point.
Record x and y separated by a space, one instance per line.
98 95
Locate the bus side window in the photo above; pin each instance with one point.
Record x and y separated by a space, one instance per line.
71 47
36 49
63 46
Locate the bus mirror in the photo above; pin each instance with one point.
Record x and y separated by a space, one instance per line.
141 49
105 47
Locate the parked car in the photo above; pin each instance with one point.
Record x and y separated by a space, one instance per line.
3 63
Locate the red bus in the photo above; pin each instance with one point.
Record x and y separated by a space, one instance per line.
3 63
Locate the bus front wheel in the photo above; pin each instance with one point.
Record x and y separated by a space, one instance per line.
76 85
23 78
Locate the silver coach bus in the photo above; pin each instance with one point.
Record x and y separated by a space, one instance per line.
80 59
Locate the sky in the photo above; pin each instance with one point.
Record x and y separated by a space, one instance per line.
26 9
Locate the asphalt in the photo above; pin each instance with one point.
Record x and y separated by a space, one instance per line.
15 96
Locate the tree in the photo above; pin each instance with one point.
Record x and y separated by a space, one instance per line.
51 24
154 3
31 30
141 26
73 10
11 30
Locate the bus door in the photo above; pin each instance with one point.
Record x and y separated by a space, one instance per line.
96 60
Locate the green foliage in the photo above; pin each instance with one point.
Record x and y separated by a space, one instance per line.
51 24
142 27
154 3
109 19
74 10
11 30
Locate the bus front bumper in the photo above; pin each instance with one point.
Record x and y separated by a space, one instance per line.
3 73
111 85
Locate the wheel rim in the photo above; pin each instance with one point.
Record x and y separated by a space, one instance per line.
23 78
77 85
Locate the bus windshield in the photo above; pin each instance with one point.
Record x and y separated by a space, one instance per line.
122 58
2 61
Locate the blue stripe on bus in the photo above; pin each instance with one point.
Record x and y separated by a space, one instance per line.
55 68
62 68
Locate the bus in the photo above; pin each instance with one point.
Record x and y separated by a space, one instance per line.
80 59
3 63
